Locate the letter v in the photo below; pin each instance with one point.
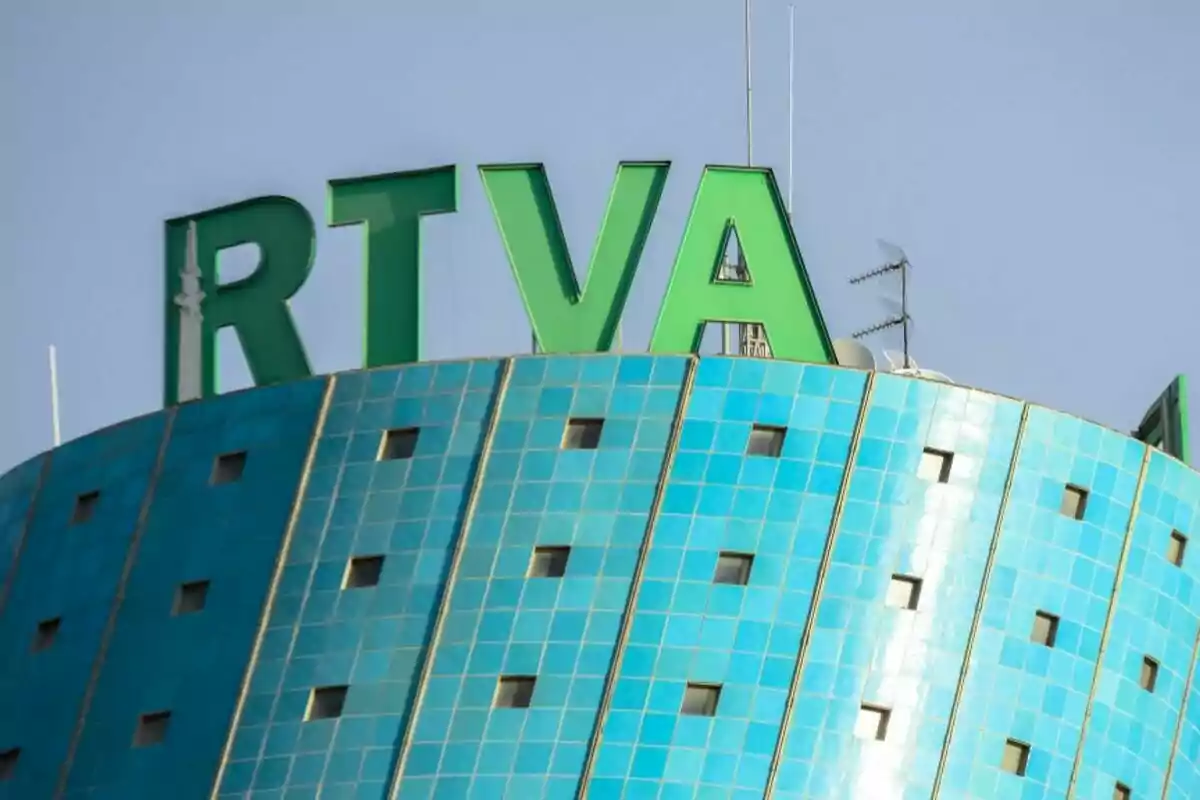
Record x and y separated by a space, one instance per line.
564 319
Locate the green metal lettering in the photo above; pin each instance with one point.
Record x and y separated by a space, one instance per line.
256 306
779 295
390 208
564 318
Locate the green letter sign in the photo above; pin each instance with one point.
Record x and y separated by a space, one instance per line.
778 295
391 206
564 317
257 308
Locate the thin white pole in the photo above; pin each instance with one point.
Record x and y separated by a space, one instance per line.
726 328
791 99
54 395
749 96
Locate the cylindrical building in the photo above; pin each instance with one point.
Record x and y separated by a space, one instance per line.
600 576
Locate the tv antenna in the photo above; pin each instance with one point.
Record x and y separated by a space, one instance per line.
55 429
894 261
752 336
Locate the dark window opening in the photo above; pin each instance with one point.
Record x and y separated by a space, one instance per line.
228 468
1074 501
766 440
872 722
733 569
326 702
515 691
151 729
8 763
85 507
904 591
190 598
935 465
1176 547
1149 677
399 444
1045 628
700 700
363 572
1015 758
47 632
582 434
549 562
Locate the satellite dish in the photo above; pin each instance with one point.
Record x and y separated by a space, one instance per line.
852 353
895 359
934 375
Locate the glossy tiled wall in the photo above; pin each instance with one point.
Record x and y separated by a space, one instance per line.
600 576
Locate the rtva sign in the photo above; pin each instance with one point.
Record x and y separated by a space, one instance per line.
564 317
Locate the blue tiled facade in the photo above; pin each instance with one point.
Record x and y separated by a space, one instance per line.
601 576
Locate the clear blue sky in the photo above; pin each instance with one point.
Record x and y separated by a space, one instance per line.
1039 161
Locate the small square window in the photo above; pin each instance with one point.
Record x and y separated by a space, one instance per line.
549 562
190 598
582 434
872 722
904 591
733 569
363 572
85 507
1045 628
935 465
151 729
8 763
1122 792
228 468
766 440
399 444
326 702
700 700
1074 501
1176 548
514 691
1149 677
47 632
1015 758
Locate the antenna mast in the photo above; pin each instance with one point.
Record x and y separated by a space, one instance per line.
735 271
791 100
897 261
54 395
752 339
749 96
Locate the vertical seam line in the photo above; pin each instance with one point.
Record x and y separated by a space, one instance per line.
297 623
1183 707
985 580
810 620
635 581
1108 621
439 620
110 625
11 574
268 606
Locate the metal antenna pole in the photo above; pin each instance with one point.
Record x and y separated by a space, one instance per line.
904 306
791 99
54 395
738 271
897 262
749 96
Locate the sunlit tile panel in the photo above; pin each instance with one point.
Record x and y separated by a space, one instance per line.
894 617
600 576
